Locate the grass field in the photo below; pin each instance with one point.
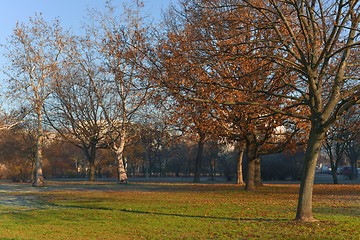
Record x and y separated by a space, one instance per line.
78 210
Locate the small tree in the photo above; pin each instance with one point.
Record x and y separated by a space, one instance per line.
334 146
352 141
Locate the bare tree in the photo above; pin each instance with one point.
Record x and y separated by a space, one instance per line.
122 45
352 140
12 118
334 146
34 52
75 113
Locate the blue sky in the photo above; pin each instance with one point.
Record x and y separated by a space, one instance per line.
70 12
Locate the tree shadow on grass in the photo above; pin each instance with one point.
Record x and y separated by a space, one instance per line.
181 215
339 211
205 216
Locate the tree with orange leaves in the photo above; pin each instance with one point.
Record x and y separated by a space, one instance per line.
301 58
307 51
316 40
202 71
191 118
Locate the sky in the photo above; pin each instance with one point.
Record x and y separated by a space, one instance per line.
71 13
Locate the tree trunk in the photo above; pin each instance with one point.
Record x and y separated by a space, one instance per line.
333 163
356 171
39 178
333 167
90 153
353 154
92 170
122 176
304 208
240 177
212 169
257 173
252 156
32 173
250 179
334 176
198 159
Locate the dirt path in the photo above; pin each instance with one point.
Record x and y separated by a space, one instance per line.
15 197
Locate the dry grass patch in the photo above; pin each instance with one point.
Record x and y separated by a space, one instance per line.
182 211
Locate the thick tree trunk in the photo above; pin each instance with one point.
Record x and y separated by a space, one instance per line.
92 170
252 157
90 153
198 159
39 178
122 176
257 174
240 177
304 208
250 179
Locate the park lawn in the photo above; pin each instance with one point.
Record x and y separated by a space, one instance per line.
183 211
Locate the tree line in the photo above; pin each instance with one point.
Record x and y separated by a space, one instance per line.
267 76
151 152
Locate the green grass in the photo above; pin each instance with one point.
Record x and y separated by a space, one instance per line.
181 211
